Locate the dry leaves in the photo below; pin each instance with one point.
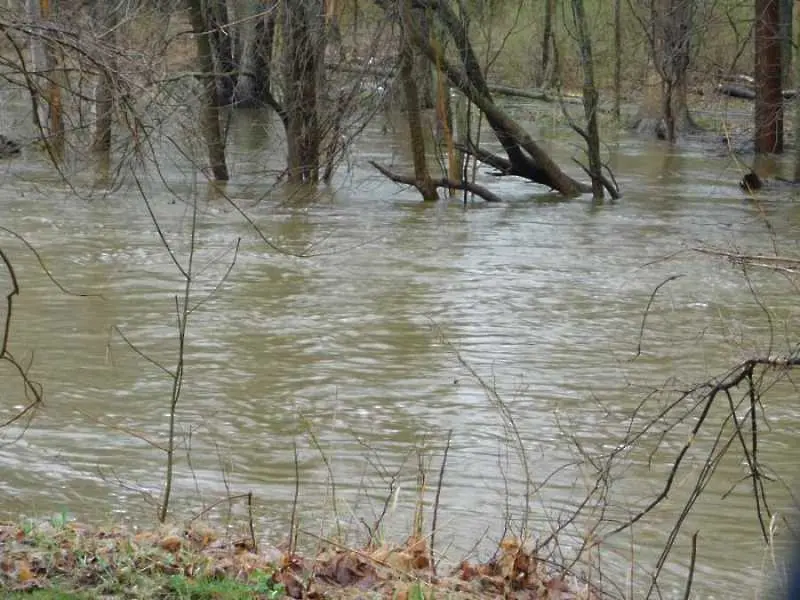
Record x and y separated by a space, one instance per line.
30 559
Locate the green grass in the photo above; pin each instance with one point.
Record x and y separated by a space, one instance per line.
177 587
262 586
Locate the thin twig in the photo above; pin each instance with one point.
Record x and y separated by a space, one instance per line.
439 483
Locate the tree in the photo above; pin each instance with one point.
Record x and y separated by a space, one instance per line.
303 63
768 113
209 111
667 25
258 39
590 101
412 105
106 18
46 84
547 42
223 50
524 157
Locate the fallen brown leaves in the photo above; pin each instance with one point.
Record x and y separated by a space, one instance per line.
47 556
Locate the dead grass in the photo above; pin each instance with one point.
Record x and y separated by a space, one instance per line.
57 559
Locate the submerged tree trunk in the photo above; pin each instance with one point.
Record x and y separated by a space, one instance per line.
303 34
209 110
769 98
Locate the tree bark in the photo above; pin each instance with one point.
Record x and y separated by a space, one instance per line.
421 175
547 42
797 120
787 18
590 100
39 64
209 110
617 59
222 46
769 98
669 32
303 63
106 19
253 85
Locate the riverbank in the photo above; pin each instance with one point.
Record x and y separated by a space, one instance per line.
61 560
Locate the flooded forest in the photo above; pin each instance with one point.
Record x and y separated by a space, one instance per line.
501 293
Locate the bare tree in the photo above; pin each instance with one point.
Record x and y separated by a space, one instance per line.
590 101
524 157
667 25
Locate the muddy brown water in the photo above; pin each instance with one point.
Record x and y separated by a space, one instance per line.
360 344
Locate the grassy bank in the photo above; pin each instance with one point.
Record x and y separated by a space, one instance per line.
61 560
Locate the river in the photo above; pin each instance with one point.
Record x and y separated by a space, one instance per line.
358 353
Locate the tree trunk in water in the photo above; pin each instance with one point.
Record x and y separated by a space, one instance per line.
590 100
303 34
106 19
209 111
769 97
547 42
416 136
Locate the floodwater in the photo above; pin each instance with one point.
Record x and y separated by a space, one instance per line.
339 364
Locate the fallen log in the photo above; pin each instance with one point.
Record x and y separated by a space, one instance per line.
736 91
746 93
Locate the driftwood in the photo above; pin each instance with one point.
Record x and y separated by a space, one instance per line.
443 182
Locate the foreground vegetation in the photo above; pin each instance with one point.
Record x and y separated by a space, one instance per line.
60 560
